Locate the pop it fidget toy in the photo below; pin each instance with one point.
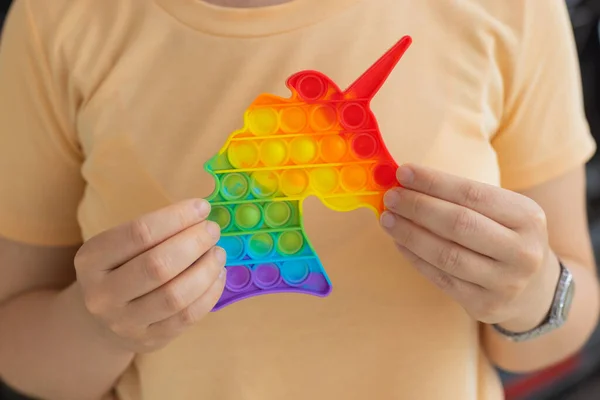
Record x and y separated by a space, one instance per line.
322 141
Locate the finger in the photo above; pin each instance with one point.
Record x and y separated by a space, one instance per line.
161 264
460 290
443 254
455 223
503 206
116 246
177 323
181 292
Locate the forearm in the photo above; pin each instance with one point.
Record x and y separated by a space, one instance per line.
51 349
555 346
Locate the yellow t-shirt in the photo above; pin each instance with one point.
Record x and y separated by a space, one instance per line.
109 109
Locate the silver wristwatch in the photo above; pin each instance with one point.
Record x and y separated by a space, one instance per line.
557 316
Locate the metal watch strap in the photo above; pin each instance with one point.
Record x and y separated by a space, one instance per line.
553 319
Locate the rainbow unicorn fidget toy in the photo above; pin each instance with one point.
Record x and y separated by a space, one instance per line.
322 141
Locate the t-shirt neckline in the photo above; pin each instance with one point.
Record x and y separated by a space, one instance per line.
252 22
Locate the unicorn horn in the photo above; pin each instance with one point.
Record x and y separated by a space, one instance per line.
367 85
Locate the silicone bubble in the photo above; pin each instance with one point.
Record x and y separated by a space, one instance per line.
364 146
295 272
234 186
221 215
238 278
384 175
278 214
333 148
267 275
323 117
354 177
243 154
321 141
312 86
353 115
290 242
233 246
304 150
325 180
263 121
294 182
293 119
260 245
274 152
248 216
264 184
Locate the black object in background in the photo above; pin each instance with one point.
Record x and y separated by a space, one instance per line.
3 10
8 394
585 17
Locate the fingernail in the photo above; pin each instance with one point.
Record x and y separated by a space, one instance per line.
213 229
202 208
406 175
388 220
223 274
221 255
391 198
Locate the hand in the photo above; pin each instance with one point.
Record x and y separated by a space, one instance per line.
485 246
146 281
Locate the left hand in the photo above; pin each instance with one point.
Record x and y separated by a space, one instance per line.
485 246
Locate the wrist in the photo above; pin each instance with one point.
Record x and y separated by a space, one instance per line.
90 327
536 301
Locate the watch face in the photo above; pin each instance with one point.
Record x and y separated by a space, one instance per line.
568 300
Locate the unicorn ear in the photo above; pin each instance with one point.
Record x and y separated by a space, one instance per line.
312 86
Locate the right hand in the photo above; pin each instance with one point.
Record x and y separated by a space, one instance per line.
148 280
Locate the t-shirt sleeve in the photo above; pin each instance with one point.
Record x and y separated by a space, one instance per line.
544 132
40 160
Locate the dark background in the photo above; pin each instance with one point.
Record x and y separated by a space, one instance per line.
579 377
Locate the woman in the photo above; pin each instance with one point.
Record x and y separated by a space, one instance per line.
109 111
